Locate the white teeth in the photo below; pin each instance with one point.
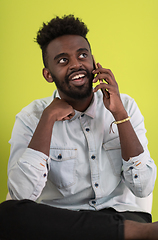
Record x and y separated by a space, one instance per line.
78 76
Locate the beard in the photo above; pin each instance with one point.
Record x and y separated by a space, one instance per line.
75 92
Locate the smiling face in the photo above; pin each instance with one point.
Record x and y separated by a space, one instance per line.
70 66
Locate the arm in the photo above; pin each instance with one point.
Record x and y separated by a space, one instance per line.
58 110
139 170
130 144
27 168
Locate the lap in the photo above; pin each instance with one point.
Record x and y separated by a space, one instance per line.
142 217
25 219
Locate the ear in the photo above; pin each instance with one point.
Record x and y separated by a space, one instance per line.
47 75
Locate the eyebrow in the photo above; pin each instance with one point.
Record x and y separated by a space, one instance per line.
60 55
82 49
66 54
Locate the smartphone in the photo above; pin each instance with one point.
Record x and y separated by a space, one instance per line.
104 91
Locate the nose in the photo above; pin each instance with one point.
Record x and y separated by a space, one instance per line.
75 64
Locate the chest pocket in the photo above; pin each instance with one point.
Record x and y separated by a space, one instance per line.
113 151
62 167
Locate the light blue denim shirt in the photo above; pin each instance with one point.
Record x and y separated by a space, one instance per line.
84 169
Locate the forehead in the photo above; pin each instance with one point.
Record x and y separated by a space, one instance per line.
66 44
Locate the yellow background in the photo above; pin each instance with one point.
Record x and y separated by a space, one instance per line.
124 38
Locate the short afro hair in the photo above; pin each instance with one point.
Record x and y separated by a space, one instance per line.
67 25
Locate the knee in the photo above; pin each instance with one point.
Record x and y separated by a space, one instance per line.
11 209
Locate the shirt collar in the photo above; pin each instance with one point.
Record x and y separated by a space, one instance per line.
90 111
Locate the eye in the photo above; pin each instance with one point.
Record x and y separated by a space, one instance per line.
83 55
62 60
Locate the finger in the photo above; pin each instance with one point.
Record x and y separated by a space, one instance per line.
99 65
101 86
64 119
103 89
105 93
103 70
103 77
96 71
67 117
71 115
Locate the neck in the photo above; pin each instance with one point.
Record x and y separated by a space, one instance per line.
78 104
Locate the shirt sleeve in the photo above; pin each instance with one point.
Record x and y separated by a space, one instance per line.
27 168
139 172
29 175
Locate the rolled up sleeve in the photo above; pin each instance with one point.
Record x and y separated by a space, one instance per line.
139 174
27 168
27 178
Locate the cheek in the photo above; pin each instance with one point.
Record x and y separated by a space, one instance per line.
91 66
59 73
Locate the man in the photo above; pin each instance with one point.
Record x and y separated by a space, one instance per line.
81 153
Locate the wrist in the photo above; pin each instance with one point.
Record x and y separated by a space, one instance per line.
48 117
120 115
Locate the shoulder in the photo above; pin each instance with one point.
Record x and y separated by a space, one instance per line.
128 102
36 107
126 98
31 114
34 110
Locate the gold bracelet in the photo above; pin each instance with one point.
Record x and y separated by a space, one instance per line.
122 121
118 122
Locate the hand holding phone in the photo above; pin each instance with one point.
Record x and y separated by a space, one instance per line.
104 91
109 88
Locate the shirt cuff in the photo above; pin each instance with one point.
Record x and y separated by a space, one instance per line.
137 162
35 158
35 164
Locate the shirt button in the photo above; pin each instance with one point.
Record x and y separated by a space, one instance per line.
87 129
93 157
96 185
93 202
44 174
131 168
136 176
59 156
